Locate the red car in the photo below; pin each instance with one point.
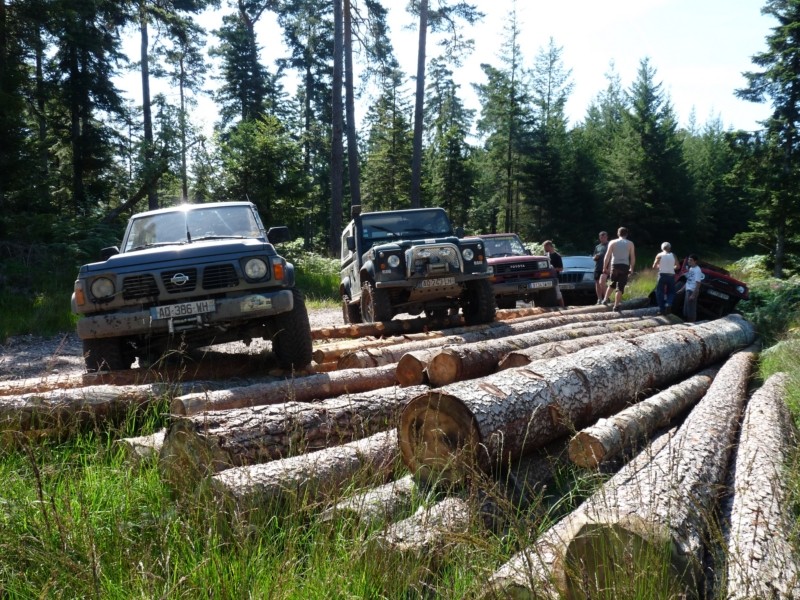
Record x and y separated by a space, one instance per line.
719 291
517 274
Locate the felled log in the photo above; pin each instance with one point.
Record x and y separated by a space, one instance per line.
468 361
505 314
609 437
84 406
525 356
144 447
215 440
382 503
332 351
660 512
429 534
392 354
529 573
482 422
308 475
37 385
761 562
395 327
300 389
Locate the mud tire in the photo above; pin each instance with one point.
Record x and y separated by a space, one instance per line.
106 354
292 340
375 304
479 305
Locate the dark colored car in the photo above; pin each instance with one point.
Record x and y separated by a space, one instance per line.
519 275
576 281
409 261
719 291
189 276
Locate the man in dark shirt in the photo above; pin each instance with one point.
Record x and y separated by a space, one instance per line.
558 265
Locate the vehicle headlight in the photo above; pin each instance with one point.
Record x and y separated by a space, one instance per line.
255 268
468 254
424 253
102 288
445 252
740 289
393 260
588 276
542 264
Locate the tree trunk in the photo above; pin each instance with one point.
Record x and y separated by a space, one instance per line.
382 503
80 407
504 314
300 389
145 447
525 356
468 361
660 512
212 441
416 160
528 574
37 385
333 351
337 150
326 471
385 328
483 422
392 354
350 110
762 563
144 57
609 437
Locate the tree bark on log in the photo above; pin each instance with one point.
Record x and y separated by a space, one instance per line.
144 447
609 437
82 407
307 475
761 562
385 328
38 385
525 356
529 573
375 505
301 389
392 354
333 351
469 361
216 440
483 422
662 511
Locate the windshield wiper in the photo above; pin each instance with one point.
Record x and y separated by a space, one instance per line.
157 245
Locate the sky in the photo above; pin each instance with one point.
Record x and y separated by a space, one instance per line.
698 48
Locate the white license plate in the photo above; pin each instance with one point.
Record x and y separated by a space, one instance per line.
566 286
184 309
718 294
540 284
437 282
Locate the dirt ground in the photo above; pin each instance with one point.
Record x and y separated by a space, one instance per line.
29 356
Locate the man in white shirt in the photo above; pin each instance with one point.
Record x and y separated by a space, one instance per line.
665 286
692 286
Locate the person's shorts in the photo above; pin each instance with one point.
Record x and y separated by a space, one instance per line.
598 275
619 277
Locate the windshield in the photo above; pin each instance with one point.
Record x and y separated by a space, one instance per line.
509 245
578 262
397 226
185 226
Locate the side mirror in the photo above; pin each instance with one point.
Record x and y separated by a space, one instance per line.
355 210
351 243
278 234
459 231
107 253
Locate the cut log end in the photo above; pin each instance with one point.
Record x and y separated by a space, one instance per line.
410 371
438 437
444 368
586 451
610 556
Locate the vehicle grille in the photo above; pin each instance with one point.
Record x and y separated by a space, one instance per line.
512 269
570 277
139 286
219 276
173 288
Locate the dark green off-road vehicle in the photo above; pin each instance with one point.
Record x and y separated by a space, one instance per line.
410 261
189 276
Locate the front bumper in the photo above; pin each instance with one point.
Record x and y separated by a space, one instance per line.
438 281
522 287
236 309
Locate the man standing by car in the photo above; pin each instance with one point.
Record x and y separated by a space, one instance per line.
599 257
692 289
557 263
618 264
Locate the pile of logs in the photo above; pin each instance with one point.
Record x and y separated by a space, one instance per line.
468 424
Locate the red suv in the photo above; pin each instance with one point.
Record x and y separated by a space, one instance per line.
517 274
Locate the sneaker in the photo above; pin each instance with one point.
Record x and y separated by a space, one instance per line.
615 309
668 310
599 302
